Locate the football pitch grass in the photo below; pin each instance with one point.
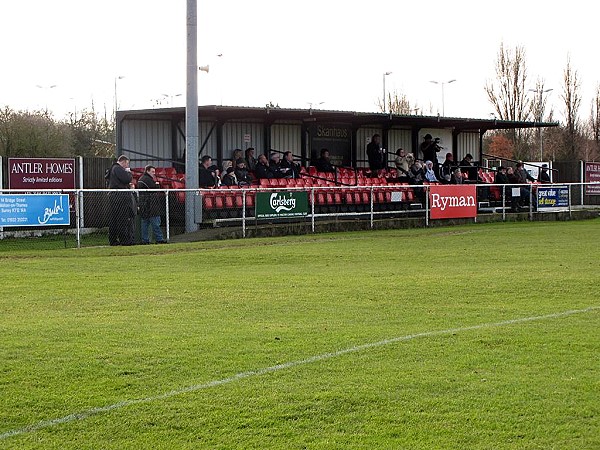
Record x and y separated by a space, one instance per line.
472 337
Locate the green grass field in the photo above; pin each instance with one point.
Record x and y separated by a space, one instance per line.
472 337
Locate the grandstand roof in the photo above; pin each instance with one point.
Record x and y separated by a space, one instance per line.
276 114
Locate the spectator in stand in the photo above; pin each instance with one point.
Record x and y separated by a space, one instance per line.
430 173
323 164
229 179
226 165
401 162
250 159
237 154
275 164
457 176
149 206
523 177
241 173
293 169
544 176
375 154
416 172
122 204
262 169
207 177
501 176
512 179
429 149
467 166
447 169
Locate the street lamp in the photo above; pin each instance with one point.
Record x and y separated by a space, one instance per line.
120 77
443 83
384 91
310 106
541 111
171 96
39 86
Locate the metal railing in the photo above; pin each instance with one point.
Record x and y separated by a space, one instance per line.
91 219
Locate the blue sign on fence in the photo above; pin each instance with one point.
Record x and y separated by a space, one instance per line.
552 198
30 210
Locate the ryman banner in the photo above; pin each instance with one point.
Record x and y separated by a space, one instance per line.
30 210
452 201
281 204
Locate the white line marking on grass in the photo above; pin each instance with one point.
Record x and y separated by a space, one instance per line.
253 373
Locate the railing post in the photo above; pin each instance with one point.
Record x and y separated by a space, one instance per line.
531 202
312 203
371 207
243 213
167 216
77 219
503 203
569 187
426 205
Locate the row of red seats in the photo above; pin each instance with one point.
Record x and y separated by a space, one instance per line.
231 198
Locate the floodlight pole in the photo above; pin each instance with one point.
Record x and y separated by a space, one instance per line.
443 83
541 92
191 116
385 74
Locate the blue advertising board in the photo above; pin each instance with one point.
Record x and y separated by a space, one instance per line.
31 210
552 197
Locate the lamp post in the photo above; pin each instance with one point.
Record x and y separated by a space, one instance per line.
117 78
171 96
443 83
385 74
310 106
541 92
39 86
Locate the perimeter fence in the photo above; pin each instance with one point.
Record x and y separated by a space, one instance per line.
36 220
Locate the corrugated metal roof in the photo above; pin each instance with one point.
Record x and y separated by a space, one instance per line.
274 114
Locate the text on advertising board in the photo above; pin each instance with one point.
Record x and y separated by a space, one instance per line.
29 210
452 201
281 204
41 173
592 174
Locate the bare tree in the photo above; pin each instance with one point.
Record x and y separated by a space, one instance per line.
572 100
594 125
508 93
397 103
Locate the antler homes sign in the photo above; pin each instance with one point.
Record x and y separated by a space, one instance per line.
41 173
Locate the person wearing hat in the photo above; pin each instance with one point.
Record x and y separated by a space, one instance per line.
544 176
242 174
429 149
229 179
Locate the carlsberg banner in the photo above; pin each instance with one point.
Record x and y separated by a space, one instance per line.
281 204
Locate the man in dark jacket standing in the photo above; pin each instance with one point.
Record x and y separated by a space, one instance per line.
150 206
122 205
375 154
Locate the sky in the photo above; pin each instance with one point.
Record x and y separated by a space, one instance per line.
330 53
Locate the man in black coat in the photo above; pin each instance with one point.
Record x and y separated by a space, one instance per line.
375 154
323 164
207 175
262 169
150 206
122 205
